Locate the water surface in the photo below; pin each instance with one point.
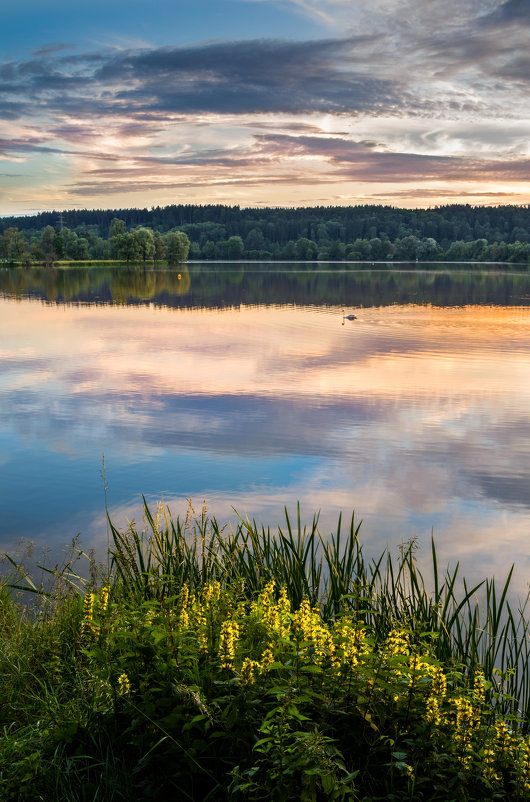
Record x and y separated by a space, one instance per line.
243 386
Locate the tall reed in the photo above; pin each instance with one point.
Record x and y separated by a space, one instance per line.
472 626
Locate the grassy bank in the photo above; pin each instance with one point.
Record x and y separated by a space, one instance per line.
62 263
241 664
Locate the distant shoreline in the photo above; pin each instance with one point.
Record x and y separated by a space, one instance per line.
162 263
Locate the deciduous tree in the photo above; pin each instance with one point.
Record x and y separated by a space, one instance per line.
178 246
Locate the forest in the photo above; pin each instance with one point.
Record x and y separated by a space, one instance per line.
336 233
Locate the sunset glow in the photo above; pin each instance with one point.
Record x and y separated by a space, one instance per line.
264 102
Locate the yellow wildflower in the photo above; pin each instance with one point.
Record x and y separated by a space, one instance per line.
267 659
350 646
182 617
199 621
124 686
433 714
211 592
439 681
104 599
397 642
88 625
264 610
308 623
504 740
488 765
184 595
284 614
466 721
148 618
227 643
249 669
524 764
88 606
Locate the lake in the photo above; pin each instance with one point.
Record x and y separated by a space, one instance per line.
242 386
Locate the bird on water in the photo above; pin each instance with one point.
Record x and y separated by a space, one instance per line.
348 317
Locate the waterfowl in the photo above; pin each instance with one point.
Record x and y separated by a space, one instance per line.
348 317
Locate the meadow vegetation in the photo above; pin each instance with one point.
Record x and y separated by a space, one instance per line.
211 663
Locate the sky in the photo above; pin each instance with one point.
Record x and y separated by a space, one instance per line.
125 103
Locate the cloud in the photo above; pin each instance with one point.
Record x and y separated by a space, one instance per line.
440 193
249 77
26 145
401 95
401 68
253 77
52 48
507 13
367 160
406 17
283 159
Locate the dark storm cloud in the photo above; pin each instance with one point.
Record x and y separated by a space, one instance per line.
252 58
385 72
249 77
234 77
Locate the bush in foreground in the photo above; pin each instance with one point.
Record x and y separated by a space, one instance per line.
207 689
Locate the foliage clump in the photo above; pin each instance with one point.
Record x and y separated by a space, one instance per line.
149 684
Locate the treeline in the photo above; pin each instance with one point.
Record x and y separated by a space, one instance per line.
358 233
51 245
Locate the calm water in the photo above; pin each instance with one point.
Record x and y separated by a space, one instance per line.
243 386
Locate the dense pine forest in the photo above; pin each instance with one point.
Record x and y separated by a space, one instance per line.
352 233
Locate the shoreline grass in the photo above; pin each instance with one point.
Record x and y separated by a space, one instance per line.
245 663
346 263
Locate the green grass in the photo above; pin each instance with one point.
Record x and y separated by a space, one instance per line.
62 263
139 698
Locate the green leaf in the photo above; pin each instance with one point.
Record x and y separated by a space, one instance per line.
311 669
328 783
293 711
261 741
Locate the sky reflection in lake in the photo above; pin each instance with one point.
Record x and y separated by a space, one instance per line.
416 416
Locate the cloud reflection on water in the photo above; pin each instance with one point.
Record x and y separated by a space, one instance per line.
416 417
